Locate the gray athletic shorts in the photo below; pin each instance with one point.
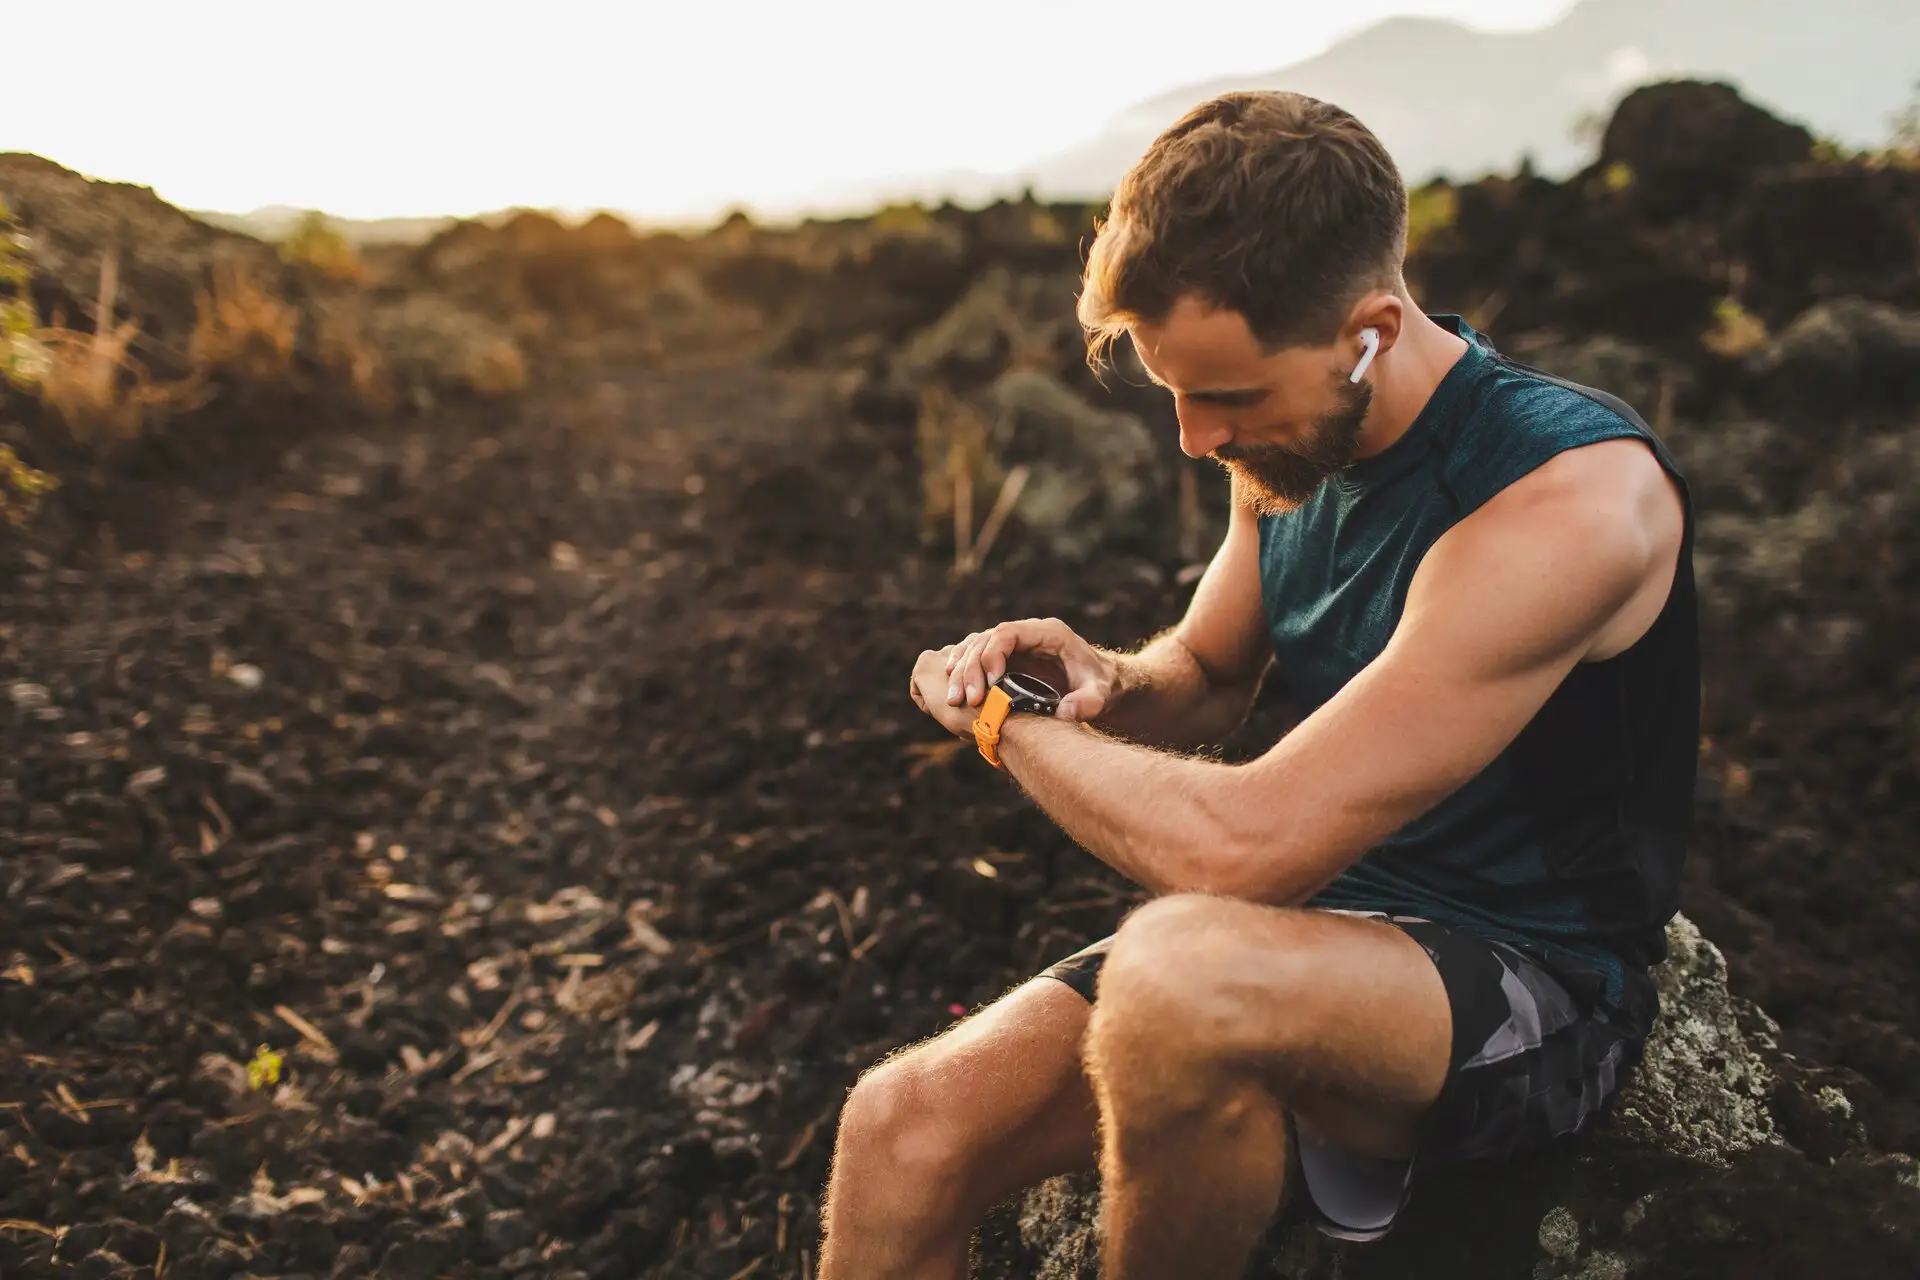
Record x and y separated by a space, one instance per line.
1529 1065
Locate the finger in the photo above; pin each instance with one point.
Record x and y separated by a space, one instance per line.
1081 705
952 651
973 672
1002 643
956 669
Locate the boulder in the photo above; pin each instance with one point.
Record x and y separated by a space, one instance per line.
1840 356
1658 1183
1001 317
1092 479
1689 145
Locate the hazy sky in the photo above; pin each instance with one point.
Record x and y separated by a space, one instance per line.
368 108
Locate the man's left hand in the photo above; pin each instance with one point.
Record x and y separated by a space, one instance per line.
929 687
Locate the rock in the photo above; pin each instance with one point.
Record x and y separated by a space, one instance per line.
1000 316
1696 1101
1690 144
1700 1090
1817 231
1092 476
1840 356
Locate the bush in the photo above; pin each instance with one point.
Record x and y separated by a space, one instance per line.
242 330
91 383
21 362
21 488
315 244
1431 210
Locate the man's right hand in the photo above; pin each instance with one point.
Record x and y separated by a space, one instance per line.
1044 647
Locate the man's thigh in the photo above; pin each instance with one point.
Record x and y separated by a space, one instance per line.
1347 1015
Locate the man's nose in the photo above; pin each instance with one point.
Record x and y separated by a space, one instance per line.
1202 429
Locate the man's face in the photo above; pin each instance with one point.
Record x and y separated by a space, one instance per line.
1281 422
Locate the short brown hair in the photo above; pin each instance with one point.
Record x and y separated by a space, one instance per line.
1275 205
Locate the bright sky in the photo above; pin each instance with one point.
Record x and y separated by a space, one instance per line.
370 108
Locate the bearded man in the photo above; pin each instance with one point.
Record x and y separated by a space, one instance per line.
1417 930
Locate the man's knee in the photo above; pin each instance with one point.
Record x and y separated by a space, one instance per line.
898 1130
1179 982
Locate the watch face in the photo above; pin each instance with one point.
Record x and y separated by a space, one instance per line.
1029 688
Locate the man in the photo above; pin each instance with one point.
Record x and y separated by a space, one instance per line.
1415 931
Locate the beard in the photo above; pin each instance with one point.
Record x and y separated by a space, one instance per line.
1276 479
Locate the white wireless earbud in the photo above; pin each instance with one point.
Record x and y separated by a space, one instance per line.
1369 343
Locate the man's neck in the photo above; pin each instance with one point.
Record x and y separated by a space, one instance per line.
1406 378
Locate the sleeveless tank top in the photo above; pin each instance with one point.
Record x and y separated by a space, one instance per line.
1568 846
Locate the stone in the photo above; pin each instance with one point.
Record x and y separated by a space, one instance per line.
1700 1090
1092 469
1696 1101
1690 144
1839 356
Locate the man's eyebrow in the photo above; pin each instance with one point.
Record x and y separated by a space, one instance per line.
1235 397
1238 398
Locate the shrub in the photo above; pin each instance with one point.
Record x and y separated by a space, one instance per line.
91 383
241 329
22 361
1735 332
1431 210
20 356
315 244
21 488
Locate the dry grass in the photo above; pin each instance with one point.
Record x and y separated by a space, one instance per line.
346 352
960 462
92 383
241 330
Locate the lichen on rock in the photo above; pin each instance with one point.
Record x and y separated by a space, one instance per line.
1700 1089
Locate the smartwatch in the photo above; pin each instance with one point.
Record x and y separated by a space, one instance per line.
1010 693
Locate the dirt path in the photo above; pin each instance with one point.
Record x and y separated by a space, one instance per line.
547 798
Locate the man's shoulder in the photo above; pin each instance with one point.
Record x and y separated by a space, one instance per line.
1519 392
1561 438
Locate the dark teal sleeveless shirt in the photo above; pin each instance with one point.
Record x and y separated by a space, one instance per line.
1568 846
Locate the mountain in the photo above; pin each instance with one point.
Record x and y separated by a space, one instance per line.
1447 99
275 221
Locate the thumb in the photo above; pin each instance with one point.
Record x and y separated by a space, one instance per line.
1081 704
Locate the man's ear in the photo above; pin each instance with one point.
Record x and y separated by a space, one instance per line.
1382 311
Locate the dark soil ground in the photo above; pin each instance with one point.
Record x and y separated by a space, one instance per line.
546 792
580 811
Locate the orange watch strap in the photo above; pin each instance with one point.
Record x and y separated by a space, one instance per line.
986 724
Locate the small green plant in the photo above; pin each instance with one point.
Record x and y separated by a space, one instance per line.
21 358
21 488
908 216
1735 332
264 1070
1431 210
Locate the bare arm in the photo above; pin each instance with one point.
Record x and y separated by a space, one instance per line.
1188 687
1558 568
1192 685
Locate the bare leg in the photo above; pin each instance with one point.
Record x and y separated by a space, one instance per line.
1215 1018
937 1135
